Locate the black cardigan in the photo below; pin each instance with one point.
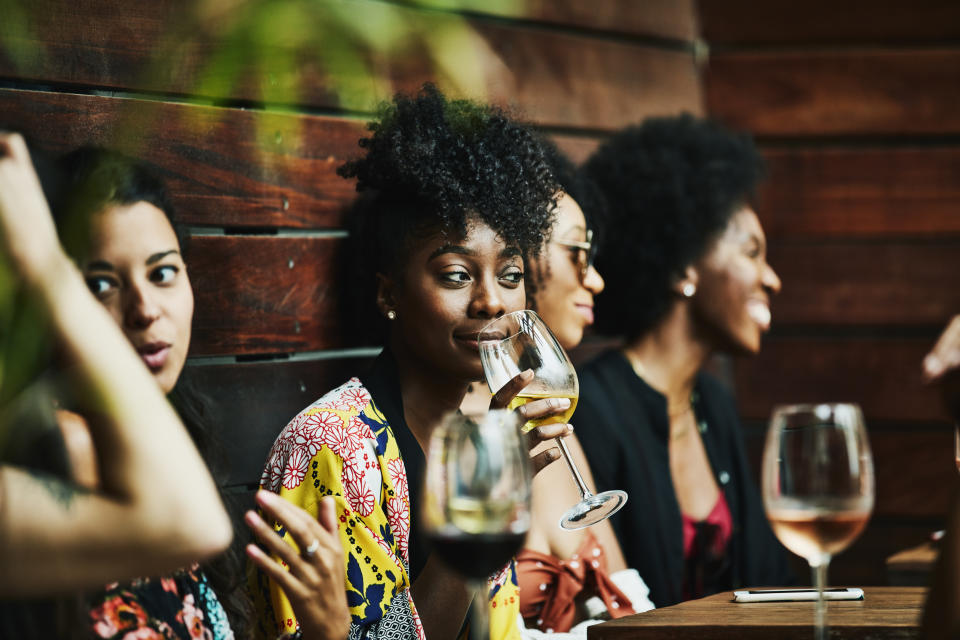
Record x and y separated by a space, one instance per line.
623 427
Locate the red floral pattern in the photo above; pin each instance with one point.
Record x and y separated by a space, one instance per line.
297 464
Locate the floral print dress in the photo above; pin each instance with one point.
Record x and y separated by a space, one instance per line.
181 606
342 446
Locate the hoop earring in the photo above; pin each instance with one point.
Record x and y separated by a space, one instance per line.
391 315
689 289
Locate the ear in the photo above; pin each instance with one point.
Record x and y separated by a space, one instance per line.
385 294
690 277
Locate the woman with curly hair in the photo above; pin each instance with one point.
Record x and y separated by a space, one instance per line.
453 197
687 277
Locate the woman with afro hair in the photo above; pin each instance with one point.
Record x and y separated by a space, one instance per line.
687 277
454 197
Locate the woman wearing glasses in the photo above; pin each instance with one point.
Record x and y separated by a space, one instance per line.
560 570
687 277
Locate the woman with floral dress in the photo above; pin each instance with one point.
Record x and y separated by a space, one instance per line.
454 195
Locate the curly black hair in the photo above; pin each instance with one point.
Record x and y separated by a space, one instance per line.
671 185
434 164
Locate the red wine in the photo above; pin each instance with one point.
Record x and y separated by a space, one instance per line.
476 556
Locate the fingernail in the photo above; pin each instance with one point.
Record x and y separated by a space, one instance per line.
932 365
553 454
563 403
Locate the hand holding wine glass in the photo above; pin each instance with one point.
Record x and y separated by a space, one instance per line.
476 510
818 484
518 342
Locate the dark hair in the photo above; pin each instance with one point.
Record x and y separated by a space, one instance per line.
432 165
96 178
671 185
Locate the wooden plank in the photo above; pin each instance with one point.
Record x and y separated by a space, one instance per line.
783 22
555 78
223 167
251 403
262 294
864 283
840 92
875 191
658 18
881 374
923 493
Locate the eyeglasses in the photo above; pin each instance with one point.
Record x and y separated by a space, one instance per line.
585 251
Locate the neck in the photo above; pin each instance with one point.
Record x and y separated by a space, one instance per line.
668 358
428 395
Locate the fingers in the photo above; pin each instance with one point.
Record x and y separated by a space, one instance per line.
544 407
271 540
544 458
327 517
501 399
547 432
945 355
272 569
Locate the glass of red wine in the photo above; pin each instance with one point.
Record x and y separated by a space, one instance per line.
476 509
818 484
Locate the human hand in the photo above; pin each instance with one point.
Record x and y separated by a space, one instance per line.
27 231
315 582
535 409
942 365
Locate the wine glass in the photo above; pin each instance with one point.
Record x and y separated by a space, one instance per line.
519 341
817 484
476 511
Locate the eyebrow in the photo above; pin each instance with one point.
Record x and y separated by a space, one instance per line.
103 265
507 252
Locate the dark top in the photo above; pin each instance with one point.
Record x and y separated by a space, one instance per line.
624 430
383 383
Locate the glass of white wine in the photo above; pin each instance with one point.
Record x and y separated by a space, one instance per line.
476 509
818 484
519 341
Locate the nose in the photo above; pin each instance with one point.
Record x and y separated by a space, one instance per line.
593 281
771 281
487 301
140 308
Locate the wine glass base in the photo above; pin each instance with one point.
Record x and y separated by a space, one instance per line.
593 509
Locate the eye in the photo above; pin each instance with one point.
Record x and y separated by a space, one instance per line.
164 274
512 276
458 277
100 285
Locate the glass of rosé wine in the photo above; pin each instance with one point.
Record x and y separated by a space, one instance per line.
818 484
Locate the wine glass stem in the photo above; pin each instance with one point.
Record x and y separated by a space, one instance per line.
584 492
820 615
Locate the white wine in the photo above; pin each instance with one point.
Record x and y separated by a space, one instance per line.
523 398
813 532
474 516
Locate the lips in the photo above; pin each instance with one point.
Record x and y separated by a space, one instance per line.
586 311
154 354
471 340
759 312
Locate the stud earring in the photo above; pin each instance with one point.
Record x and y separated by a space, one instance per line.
689 289
391 315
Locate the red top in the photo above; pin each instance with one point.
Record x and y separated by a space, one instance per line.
705 548
550 588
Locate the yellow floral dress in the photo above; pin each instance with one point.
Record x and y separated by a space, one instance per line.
342 446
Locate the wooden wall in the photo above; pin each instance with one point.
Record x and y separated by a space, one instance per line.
855 107
249 146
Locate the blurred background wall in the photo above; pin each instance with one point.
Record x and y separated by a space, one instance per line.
246 108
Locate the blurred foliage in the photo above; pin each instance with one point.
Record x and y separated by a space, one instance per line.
283 55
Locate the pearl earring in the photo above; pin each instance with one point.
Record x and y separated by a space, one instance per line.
391 315
689 289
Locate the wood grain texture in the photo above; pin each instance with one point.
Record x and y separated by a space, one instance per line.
885 612
261 294
870 283
252 402
782 22
554 78
222 167
881 374
846 192
837 92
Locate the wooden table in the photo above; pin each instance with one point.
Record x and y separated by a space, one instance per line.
885 612
912 567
